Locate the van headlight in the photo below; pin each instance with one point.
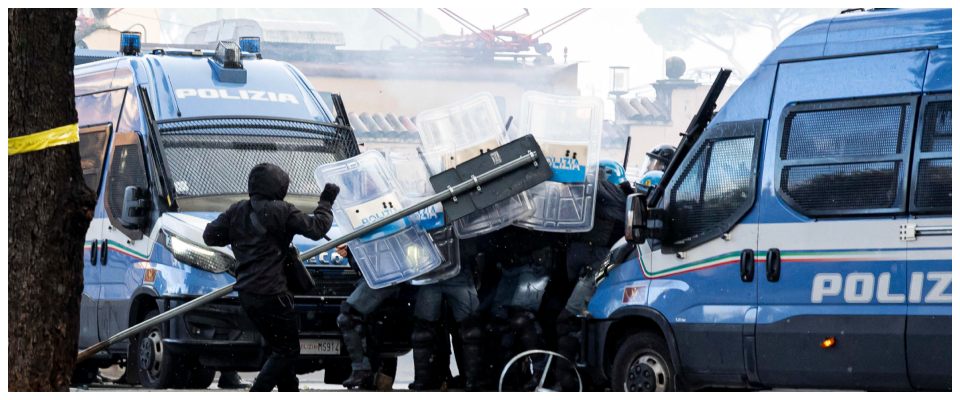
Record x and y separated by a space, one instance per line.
197 255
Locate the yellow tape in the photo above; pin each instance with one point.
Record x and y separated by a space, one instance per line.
66 134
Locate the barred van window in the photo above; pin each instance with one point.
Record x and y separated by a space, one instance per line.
932 184
846 157
212 157
716 186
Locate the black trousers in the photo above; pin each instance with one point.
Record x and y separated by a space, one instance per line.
278 324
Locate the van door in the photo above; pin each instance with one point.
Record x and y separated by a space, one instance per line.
928 236
832 287
128 248
696 277
97 114
93 148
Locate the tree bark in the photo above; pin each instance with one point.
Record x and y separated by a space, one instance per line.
49 205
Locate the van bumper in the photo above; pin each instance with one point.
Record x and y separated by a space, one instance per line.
219 334
222 336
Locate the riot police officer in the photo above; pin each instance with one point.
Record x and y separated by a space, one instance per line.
459 294
584 255
353 315
657 160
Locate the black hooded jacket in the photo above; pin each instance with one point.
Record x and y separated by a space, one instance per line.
257 246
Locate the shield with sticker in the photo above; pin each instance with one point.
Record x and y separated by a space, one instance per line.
568 129
413 176
461 131
369 192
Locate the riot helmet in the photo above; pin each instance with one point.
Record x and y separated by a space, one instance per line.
658 158
613 172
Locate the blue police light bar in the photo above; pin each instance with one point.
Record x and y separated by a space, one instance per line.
130 43
250 44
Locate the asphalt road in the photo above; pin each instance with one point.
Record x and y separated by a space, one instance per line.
308 382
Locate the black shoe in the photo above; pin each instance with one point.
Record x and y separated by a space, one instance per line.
231 380
357 378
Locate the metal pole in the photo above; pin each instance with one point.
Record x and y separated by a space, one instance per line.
451 192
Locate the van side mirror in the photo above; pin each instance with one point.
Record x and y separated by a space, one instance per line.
642 223
636 219
135 206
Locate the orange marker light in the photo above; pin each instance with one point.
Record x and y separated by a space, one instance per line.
828 342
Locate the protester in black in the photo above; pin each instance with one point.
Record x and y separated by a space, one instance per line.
258 231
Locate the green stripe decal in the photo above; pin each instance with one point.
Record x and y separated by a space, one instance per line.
125 249
761 256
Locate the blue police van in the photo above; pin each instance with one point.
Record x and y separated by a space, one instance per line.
167 139
804 240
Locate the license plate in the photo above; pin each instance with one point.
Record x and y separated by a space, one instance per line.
319 346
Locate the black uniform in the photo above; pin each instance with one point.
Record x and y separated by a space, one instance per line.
353 314
459 293
584 255
258 242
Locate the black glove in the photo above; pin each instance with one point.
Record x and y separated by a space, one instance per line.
626 188
330 192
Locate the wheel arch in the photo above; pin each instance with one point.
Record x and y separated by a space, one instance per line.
629 320
143 300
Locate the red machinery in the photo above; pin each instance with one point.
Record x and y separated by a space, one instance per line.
495 40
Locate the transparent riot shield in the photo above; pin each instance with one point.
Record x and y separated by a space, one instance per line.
568 129
390 255
458 132
413 176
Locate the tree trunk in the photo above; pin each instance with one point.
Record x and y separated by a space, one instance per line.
49 205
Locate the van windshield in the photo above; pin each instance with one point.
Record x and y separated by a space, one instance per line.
208 160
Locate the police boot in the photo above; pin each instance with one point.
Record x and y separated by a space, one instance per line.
472 337
357 378
351 327
424 344
231 380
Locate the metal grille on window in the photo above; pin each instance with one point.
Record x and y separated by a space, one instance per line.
847 159
937 128
866 131
934 183
842 186
214 157
712 188
933 186
126 169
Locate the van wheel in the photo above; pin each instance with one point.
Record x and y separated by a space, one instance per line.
642 364
156 367
200 377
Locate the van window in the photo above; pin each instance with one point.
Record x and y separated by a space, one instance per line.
99 108
93 148
715 187
845 157
932 186
126 169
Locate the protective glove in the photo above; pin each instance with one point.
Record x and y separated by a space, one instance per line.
330 192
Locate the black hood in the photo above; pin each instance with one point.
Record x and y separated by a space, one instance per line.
268 182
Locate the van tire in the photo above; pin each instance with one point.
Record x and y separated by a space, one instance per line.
642 364
200 377
160 369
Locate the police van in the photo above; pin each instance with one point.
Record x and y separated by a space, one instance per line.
166 141
804 240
